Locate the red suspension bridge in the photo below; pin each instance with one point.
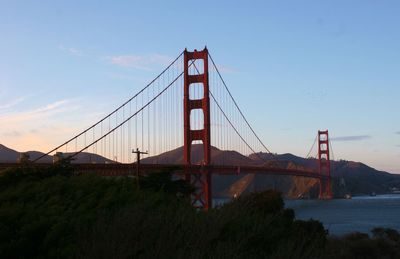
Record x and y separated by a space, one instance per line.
188 103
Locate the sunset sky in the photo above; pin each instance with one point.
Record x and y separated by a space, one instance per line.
293 66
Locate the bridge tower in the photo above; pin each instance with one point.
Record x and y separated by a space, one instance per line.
325 187
201 198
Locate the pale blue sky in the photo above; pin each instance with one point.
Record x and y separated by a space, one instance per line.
294 67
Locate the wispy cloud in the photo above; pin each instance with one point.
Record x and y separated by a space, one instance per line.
144 62
12 103
40 127
397 132
42 138
44 111
351 138
71 51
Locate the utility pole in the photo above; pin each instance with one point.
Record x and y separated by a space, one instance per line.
138 152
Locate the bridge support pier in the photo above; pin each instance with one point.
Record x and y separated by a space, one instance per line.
325 186
201 198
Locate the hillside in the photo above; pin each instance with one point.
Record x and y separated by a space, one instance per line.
8 155
350 177
218 157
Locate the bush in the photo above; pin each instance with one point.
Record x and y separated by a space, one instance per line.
41 209
255 226
383 244
50 213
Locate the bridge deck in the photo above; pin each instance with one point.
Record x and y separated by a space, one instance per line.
129 169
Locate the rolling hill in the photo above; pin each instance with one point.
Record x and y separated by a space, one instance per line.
349 177
8 155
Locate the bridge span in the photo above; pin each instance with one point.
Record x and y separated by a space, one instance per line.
188 103
119 169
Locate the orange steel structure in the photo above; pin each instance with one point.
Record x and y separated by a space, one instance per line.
202 196
325 187
195 73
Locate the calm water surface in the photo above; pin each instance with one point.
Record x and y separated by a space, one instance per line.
357 214
341 216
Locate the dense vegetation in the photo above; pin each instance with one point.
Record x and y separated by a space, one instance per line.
50 213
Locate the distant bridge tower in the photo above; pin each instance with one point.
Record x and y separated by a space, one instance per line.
325 189
202 181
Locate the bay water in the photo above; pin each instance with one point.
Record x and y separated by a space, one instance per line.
343 216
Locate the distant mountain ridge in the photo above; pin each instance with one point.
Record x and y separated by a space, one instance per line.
218 157
350 177
8 155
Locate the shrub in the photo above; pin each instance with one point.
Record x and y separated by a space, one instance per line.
50 212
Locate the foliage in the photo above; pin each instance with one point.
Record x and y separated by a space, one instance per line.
161 181
40 209
385 243
255 226
52 213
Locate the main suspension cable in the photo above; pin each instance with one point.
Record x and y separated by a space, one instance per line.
130 117
237 106
109 115
309 152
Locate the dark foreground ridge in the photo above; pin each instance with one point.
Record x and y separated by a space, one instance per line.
51 213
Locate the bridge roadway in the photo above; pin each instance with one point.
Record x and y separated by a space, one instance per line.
119 169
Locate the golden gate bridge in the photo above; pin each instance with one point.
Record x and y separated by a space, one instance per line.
188 103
